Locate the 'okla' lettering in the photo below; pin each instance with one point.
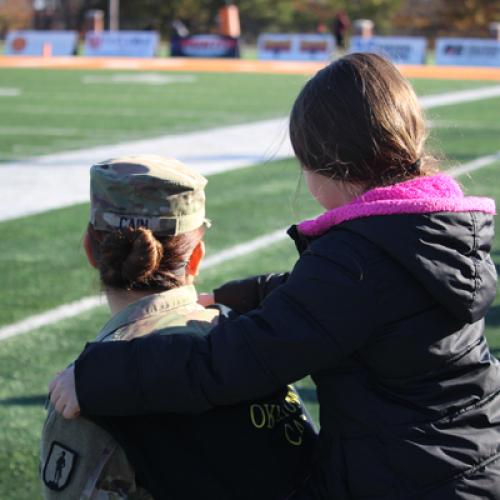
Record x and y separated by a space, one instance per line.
269 415
133 222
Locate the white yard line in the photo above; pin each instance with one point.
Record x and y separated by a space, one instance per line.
80 306
245 248
435 101
49 317
57 180
74 308
476 164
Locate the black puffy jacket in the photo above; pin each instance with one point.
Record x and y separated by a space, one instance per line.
387 314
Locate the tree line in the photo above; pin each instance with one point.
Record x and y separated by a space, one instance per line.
430 18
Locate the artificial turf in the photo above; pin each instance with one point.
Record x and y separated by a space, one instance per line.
56 110
41 261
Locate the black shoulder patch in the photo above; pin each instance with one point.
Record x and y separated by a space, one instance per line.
58 466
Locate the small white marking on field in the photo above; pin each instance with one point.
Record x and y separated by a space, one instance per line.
77 307
10 92
138 78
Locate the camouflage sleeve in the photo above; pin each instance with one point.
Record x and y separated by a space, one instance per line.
79 459
247 294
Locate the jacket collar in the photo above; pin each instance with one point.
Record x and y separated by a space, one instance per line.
301 240
423 195
158 303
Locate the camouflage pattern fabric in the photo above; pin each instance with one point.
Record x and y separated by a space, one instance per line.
148 191
79 460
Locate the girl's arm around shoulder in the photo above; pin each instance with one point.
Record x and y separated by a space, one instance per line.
321 314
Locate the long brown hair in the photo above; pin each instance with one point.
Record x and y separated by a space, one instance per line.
358 120
137 259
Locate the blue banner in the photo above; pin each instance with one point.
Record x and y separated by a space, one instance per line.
37 43
467 52
399 49
121 43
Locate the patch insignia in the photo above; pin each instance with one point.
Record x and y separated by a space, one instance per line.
58 466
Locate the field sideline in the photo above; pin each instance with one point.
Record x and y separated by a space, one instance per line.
41 260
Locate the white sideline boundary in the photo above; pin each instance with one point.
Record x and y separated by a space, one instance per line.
244 248
75 308
435 101
52 316
48 182
33 185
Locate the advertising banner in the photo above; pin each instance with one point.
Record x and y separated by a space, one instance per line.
205 46
37 43
467 52
121 43
399 49
295 47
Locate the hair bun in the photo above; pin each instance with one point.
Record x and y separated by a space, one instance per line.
144 258
130 257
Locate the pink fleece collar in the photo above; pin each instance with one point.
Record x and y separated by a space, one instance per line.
436 193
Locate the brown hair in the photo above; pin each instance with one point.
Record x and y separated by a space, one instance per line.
137 259
358 120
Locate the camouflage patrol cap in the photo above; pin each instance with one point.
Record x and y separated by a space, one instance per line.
148 191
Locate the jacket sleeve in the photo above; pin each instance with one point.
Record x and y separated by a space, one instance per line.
318 317
244 295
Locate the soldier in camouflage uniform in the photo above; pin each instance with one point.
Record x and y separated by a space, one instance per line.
260 449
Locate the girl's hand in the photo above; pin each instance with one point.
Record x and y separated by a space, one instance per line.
63 393
206 299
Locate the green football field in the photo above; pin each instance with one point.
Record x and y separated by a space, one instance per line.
41 261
